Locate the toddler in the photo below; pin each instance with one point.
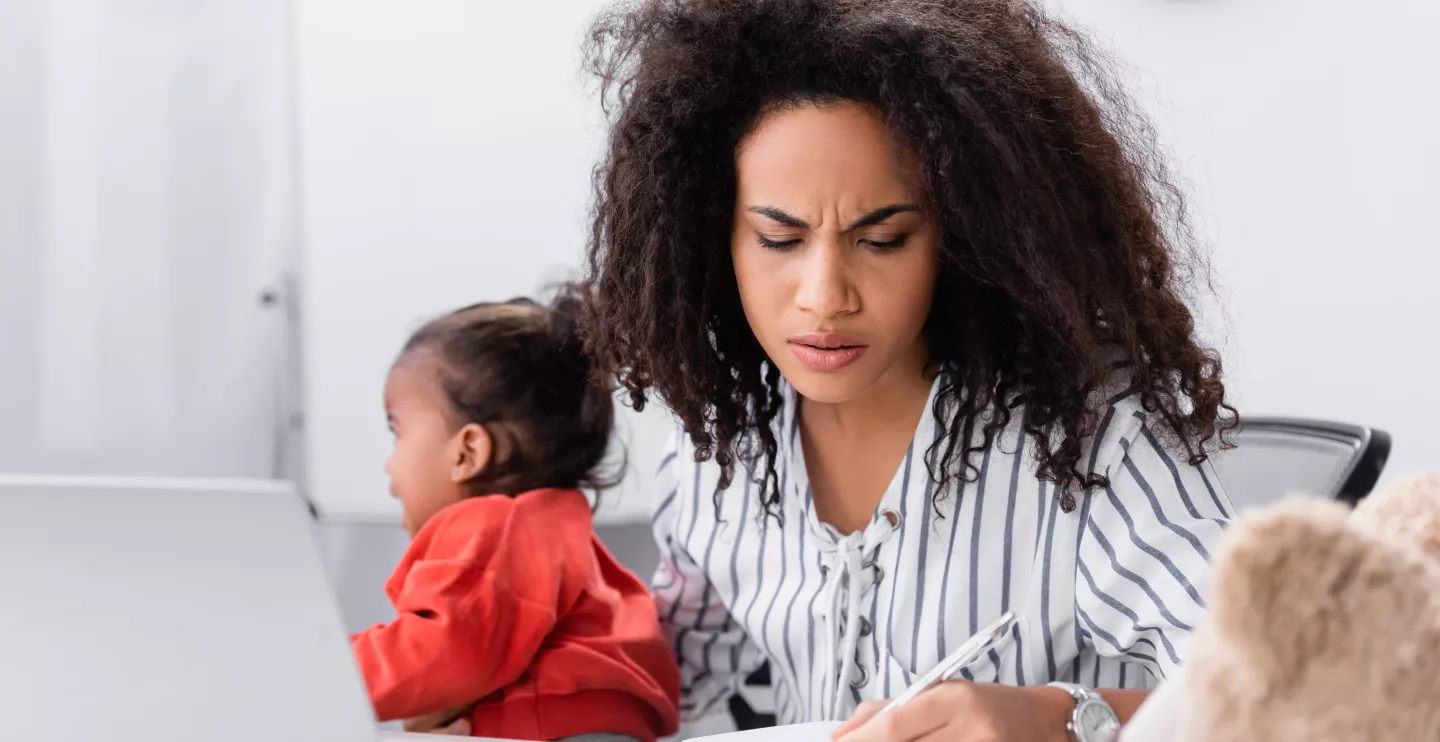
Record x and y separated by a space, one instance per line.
508 605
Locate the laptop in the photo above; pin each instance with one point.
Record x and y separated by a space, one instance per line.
169 611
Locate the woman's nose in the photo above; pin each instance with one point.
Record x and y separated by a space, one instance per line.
825 288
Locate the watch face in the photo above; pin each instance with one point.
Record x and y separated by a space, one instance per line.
1097 723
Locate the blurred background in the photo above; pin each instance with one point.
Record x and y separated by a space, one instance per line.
219 220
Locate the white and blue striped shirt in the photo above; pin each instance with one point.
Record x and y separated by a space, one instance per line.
1106 596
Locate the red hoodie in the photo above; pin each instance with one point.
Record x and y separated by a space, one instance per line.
515 603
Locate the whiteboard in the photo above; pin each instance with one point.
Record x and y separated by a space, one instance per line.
446 151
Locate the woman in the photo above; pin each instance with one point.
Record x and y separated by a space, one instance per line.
908 273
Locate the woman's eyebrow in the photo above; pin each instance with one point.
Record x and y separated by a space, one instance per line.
780 216
881 214
869 220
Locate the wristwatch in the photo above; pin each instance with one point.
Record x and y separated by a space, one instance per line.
1092 720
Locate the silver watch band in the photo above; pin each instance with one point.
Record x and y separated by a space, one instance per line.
1080 692
1085 697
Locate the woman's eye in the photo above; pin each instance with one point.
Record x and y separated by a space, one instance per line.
770 244
891 244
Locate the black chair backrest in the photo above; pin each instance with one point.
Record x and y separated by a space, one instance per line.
1277 456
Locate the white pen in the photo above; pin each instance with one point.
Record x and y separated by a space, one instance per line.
949 667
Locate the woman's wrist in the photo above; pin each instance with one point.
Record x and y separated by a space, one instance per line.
1124 702
1059 706
1055 706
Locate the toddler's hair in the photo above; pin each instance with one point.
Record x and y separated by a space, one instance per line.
519 369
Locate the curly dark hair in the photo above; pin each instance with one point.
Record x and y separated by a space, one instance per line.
519 369
1065 249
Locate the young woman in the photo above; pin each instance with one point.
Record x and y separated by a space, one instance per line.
909 274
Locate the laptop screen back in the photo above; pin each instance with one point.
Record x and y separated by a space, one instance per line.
169 611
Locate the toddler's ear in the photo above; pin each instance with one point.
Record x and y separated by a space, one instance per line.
473 450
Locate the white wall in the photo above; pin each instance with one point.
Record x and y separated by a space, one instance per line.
1308 130
146 202
447 149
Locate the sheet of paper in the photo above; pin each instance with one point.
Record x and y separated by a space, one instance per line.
815 732
1164 715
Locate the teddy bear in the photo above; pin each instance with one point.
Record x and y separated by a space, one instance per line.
1324 626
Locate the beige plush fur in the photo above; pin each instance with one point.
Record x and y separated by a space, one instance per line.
1324 625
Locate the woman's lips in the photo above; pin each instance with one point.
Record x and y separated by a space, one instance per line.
827 351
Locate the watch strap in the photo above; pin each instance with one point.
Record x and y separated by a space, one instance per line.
1082 696
1078 692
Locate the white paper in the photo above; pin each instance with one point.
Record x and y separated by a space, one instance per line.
814 732
1163 716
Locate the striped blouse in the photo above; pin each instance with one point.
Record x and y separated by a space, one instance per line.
1106 596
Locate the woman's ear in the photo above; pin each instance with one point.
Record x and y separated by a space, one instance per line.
474 450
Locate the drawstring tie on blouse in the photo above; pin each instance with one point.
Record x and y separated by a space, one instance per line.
850 564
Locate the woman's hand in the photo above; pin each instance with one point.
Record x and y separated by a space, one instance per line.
452 722
966 712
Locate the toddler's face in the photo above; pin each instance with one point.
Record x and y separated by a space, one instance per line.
427 447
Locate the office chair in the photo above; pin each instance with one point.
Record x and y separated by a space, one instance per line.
744 713
1276 456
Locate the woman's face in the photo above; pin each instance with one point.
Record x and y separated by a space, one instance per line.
835 261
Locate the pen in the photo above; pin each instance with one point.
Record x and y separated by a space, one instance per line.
949 667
